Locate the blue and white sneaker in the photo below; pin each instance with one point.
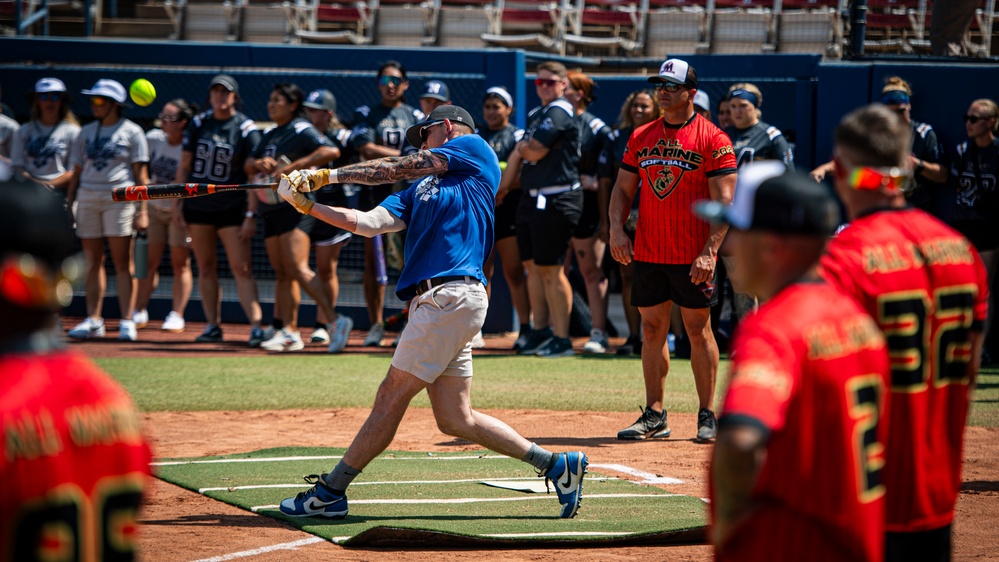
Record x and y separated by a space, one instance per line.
567 476
317 501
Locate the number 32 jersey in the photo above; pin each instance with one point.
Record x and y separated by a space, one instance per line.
926 287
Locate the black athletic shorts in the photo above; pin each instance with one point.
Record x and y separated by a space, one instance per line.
506 215
654 283
324 233
285 219
219 219
543 234
589 222
927 546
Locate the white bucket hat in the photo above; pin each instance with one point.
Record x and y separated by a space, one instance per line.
108 89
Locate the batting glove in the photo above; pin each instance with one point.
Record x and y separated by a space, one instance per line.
308 180
296 198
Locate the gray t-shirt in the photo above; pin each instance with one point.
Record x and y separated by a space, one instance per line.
163 161
43 151
105 154
7 129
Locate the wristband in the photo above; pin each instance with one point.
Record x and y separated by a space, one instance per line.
333 177
250 214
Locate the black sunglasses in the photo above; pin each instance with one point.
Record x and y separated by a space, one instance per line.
975 119
669 86
50 96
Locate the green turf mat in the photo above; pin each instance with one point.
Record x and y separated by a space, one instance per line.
438 500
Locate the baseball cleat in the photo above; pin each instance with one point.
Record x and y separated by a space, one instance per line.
707 426
317 501
340 333
567 477
650 424
212 334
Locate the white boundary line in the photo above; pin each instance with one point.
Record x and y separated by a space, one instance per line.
562 534
647 477
263 550
324 458
479 500
386 483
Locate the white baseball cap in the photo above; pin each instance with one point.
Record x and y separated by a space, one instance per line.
702 100
676 71
46 85
109 89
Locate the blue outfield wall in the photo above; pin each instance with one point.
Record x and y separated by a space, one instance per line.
802 95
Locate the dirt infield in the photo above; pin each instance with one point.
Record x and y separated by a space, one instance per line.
180 525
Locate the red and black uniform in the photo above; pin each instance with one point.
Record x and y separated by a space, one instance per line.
926 287
674 163
809 370
73 461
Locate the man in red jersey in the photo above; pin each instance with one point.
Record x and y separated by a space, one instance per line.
678 160
797 467
73 462
926 287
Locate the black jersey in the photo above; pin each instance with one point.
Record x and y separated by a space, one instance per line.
219 150
293 140
502 141
926 147
555 126
760 142
595 135
333 193
973 173
384 126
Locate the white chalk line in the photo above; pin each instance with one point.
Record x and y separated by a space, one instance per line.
263 550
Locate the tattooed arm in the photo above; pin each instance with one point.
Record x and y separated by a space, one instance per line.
393 169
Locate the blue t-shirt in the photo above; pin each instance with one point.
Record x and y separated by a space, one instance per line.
449 219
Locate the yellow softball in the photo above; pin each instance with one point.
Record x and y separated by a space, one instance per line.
142 92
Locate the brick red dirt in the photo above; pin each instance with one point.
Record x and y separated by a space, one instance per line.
181 525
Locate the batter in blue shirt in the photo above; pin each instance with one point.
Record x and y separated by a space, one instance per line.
449 217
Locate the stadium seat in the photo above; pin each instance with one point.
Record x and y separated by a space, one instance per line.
606 26
404 23
347 23
527 25
461 24
810 26
675 27
265 22
210 21
741 27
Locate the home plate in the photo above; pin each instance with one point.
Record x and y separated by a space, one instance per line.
536 486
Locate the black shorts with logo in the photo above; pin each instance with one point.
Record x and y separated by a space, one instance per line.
655 283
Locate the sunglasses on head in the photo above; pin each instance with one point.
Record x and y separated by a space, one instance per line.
975 118
393 80
424 130
98 101
669 86
550 82
50 96
169 118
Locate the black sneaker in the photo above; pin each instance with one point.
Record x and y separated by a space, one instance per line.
556 347
707 426
633 346
535 341
212 334
650 424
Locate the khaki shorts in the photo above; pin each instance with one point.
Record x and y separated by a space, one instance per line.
437 338
162 229
97 216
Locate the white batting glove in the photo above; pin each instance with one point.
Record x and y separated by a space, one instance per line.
308 180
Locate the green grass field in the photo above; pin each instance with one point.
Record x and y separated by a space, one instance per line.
587 383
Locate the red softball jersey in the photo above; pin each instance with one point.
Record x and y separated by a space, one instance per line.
73 461
926 287
809 369
674 164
